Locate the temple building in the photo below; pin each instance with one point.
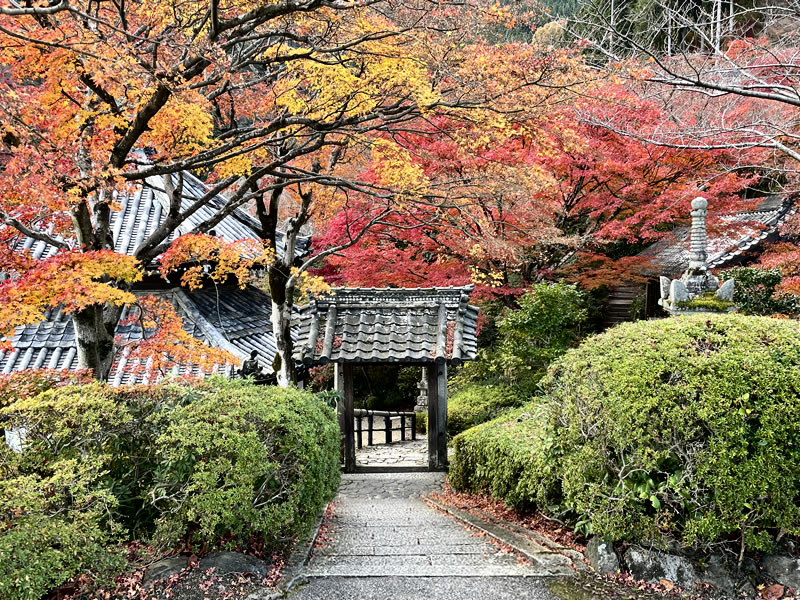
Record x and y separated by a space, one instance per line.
750 232
234 319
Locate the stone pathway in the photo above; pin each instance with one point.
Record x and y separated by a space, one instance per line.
430 588
382 527
398 454
384 541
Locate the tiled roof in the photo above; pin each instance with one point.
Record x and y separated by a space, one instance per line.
388 325
146 208
241 317
416 325
239 323
670 257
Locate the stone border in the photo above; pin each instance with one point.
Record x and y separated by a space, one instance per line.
529 543
300 557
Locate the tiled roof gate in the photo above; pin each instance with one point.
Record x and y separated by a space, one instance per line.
388 325
430 327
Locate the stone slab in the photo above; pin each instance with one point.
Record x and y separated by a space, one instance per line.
404 550
429 588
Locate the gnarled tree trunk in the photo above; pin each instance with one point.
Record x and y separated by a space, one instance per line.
94 337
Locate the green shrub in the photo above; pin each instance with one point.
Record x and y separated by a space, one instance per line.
54 525
550 319
477 404
218 463
57 511
119 426
707 302
422 422
755 292
509 458
240 461
684 428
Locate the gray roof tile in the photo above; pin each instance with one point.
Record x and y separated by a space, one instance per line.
388 325
239 323
143 210
670 257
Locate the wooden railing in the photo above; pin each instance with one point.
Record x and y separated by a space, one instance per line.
361 414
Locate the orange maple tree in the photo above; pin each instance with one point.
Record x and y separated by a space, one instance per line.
276 105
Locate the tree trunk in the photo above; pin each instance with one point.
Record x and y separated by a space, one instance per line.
95 326
282 304
283 363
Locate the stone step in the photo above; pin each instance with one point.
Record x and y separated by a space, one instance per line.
436 565
478 546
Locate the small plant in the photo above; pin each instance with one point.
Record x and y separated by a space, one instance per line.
330 398
706 301
639 308
756 292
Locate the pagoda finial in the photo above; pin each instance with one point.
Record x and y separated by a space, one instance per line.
698 254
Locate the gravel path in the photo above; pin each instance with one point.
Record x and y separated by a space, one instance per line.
398 454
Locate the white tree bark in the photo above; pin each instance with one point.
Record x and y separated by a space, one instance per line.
281 322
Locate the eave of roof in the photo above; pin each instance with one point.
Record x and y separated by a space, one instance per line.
388 325
236 320
143 210
670 257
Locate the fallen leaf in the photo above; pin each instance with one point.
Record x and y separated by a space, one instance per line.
773 592
667 584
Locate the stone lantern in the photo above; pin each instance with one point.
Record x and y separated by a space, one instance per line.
422 398
697 290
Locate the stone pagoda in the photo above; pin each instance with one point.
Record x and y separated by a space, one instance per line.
698 290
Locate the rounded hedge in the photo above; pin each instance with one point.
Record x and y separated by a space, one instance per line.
245 461
477 404
684 429
510 458
215 463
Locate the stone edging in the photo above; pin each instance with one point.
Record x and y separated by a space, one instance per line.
301 555
528 544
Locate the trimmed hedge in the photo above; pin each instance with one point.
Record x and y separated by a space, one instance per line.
244 461
680 429
54 526
219 464
510 458
477 404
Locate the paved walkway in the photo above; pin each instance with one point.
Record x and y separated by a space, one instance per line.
412 453
430 588
383 542
382 527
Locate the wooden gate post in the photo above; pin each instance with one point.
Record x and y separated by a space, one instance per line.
437 416
343 376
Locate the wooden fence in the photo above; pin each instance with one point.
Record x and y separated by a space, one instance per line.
370 416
